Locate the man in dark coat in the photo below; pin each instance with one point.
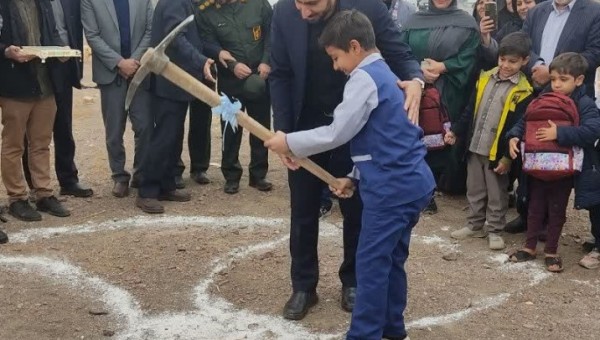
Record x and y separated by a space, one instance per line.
170 104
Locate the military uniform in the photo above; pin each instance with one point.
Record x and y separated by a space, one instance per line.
242 28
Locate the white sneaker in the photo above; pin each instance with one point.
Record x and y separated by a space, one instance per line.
495 241
465 232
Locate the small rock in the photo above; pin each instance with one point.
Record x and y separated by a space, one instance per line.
450 256
253 326
235 232
97 312
529 326
108 333
88 100
529 303
173 267
181 249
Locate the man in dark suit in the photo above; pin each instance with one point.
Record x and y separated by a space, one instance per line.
561 26
67 14
557 27
170 104
305 90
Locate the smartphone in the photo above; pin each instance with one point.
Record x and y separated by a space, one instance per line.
491 10
213 70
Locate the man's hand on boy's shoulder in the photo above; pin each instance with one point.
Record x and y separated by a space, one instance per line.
413 90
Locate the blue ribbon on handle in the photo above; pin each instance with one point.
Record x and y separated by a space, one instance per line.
228 111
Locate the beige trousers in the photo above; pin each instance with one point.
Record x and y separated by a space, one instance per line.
487 193
33 118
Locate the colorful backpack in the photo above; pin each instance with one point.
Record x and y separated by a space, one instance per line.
433 119
549 161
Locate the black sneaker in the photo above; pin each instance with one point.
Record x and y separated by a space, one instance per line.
23 211
52 206
3 237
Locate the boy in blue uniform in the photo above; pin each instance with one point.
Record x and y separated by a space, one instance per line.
395 182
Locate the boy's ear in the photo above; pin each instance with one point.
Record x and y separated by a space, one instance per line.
526 61
579 80
355 45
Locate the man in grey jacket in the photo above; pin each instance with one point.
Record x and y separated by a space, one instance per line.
118 32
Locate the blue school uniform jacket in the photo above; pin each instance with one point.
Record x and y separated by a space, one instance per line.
385 146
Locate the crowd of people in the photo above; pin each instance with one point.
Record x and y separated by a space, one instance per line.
345 80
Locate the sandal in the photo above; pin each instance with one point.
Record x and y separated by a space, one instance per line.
553 264
521 256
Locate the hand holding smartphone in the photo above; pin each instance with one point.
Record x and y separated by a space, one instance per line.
491 10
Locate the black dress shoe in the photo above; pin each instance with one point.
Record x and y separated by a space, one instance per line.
299 304
77 190
200 178
22 210
516 226
348 297
52 206
231 187
179 184
3 237
261 184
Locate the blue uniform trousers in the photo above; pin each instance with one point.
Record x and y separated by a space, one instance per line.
381 280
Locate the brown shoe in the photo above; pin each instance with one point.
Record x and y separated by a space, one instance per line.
120 189
149 205
175 196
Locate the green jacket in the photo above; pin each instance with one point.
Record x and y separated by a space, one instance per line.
242 28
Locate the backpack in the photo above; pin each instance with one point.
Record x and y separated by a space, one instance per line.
433 119
549 161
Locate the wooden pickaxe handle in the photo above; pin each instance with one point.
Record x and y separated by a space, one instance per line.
190 84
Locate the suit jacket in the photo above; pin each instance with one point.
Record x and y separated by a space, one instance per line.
185 51
289 34
581 34
101 28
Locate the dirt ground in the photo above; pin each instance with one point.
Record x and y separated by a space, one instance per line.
218 268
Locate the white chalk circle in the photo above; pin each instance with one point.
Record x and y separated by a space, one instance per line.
214 317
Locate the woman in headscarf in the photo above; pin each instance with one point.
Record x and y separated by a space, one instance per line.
445 39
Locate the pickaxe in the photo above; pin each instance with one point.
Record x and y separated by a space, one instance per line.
156 61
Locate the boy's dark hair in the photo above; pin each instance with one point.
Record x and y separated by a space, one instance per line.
346 26
571 63
517 44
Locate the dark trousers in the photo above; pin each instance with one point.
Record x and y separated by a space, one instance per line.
382 290
260 110
305 192
595 221
198 139
64 144
159 164
547 203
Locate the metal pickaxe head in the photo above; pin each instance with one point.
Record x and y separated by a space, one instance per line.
154 60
